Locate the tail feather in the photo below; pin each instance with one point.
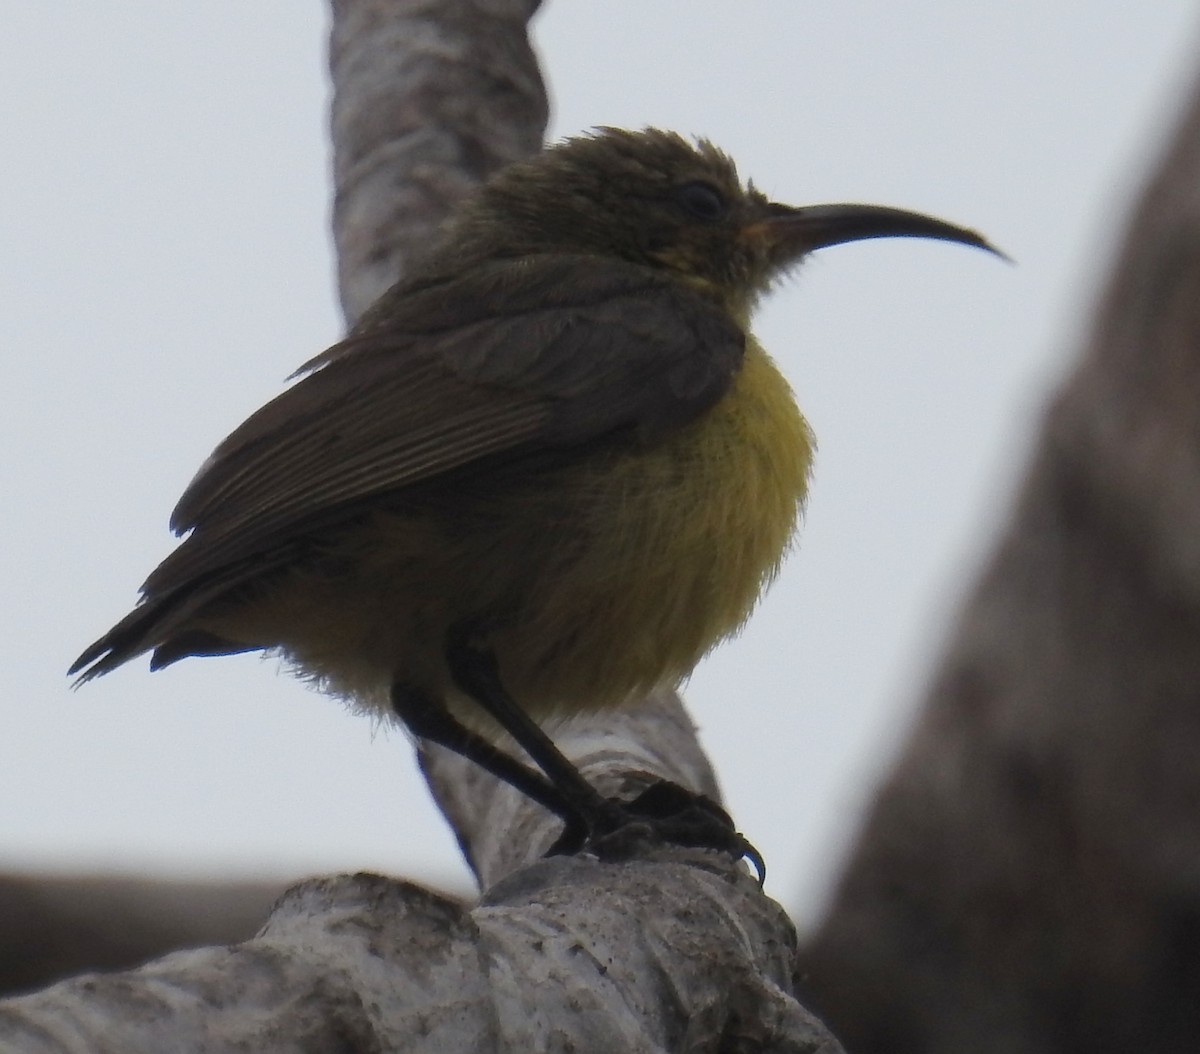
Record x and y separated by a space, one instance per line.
158 624
195 644
138 632
163 623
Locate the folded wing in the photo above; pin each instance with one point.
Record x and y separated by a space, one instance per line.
513 357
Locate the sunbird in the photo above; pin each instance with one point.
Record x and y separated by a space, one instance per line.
545 473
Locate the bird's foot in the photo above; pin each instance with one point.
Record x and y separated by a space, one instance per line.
663 813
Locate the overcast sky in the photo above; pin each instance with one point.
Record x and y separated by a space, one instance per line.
166 263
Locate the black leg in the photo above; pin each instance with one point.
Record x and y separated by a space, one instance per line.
428 718
476 672
611 828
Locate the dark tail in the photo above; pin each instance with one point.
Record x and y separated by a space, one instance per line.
157 624
137 633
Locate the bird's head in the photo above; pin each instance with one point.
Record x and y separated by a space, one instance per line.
655 199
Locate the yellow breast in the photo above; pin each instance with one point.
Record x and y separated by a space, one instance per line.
682 541
595 580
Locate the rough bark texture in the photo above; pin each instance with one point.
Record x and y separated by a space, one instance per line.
669 950
680 954
675 950
1029 878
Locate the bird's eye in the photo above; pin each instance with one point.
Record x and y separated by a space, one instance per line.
701 200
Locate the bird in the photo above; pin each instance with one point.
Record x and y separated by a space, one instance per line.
545 473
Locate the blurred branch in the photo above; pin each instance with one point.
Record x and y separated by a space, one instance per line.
1029 877
53 926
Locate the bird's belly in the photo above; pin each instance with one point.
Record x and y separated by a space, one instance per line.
675 546
593 581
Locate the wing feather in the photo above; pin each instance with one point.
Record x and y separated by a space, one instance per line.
515 356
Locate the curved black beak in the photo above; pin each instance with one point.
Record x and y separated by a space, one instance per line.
789 232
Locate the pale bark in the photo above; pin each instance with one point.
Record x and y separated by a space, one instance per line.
430 96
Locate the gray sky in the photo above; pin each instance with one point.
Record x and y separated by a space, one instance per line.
166 264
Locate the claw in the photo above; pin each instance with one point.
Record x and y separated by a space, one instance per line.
664 812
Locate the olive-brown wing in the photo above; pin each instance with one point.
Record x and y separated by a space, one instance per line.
511 358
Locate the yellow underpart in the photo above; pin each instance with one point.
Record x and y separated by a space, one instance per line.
592 581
